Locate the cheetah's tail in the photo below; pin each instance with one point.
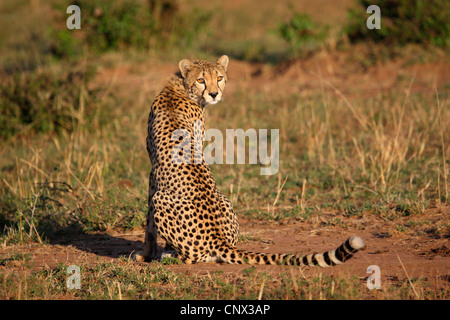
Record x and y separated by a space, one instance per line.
327 259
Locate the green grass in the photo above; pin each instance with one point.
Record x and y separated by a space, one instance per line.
73 158
126 280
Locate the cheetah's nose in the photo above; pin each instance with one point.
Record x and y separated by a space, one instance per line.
213 94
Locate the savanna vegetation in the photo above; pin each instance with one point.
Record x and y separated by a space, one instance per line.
74 107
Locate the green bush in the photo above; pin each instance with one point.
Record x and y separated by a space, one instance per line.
63 44
42 101
111 25
403 21
302 34
116 24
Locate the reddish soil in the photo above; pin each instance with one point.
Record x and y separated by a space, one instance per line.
421 253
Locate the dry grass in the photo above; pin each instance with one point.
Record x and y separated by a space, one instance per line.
124 280
382 155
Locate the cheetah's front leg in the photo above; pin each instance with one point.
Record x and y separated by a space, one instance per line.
150 244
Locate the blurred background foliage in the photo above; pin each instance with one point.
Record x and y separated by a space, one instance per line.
40 58
403 21
117 25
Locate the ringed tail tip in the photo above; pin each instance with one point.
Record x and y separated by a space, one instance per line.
357 243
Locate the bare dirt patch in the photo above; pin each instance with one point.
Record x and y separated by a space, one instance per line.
401 256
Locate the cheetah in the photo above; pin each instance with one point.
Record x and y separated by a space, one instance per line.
185 207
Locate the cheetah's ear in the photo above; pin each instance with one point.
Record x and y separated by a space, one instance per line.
223 61
185 65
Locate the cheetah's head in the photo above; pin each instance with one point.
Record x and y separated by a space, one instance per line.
204 80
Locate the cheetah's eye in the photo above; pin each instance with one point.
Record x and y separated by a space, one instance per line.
201 80
219 78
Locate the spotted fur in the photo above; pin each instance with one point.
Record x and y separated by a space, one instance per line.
185 207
